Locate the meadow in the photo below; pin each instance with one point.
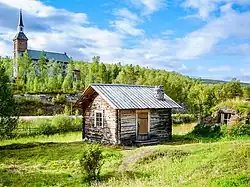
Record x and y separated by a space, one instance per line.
54 161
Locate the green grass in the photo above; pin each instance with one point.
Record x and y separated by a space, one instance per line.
182 129
68 137
54 161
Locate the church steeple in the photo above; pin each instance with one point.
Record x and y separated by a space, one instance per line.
20 34
20 24
20 42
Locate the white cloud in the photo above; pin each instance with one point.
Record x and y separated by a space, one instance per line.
5 50
203 40
149 6
206 7
69 36
126 22
220 69
38 9
82 40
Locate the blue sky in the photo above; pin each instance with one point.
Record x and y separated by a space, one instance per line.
199 38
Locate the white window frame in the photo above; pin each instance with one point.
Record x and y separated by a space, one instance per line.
99 111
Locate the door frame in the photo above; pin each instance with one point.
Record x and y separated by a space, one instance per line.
136 120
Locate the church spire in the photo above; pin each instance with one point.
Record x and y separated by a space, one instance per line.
20 24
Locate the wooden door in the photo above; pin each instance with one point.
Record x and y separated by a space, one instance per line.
142 122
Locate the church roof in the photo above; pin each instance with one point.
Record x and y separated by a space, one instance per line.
20 36
60 57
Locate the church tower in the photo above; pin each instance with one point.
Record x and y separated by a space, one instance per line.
20 42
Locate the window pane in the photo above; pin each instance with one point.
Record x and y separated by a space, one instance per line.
98 119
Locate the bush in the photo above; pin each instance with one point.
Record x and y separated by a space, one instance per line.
23 128
183 118
238 129
91 162
59 99
66 110
40 112
44 127
207 130
77 120
63 124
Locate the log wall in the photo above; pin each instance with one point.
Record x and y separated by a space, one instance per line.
107 133
127 123
161 124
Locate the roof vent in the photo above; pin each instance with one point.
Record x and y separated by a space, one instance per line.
159 92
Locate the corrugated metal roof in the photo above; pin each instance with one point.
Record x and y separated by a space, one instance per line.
60 57
121 96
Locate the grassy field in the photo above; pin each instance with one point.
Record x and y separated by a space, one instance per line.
65 138
54 161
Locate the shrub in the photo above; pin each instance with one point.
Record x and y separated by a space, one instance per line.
238 129
59 99
91 162
207 130
39 112
66 110
62 123
183 118
44 127
23 128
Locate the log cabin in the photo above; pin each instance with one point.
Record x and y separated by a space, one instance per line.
126 114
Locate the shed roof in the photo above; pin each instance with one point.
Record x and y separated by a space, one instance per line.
60 57
122 96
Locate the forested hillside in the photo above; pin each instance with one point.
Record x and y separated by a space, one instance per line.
200 97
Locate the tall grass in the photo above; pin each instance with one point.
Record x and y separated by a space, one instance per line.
182 129
67 137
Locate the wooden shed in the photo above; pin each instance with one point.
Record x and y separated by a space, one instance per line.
225 115
126 114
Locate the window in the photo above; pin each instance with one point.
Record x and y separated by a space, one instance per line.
98 118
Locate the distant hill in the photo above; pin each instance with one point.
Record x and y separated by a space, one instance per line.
211 81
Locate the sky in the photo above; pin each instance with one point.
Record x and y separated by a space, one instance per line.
198 38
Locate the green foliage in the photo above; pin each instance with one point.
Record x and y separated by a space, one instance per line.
77 120
44 127
33 106
242 180
59 99
238 129
91 162
170 154
8 107
26 162
207 130
49 77
66 110
183 118
63 123
235 104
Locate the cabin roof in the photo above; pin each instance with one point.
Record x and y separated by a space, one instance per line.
123 96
